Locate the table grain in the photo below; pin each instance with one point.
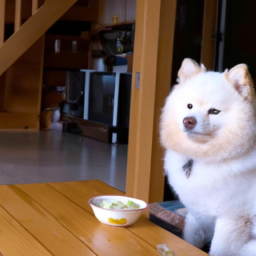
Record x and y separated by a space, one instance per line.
56 219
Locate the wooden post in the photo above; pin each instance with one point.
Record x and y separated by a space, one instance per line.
34 6
155 23
17 18
209 29
2 21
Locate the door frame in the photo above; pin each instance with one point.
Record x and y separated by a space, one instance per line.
151 82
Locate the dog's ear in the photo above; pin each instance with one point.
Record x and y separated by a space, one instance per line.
189 68
240 77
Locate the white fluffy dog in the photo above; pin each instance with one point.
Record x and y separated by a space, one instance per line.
208 128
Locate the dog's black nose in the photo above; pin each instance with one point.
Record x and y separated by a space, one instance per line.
189 122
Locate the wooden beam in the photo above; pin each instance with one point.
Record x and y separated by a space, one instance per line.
34 6
155 23
209 30
17 19
2 21
31 31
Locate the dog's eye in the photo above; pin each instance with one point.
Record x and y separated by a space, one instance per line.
190 106
213 111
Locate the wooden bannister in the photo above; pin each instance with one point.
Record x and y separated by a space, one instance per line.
31 30
21 60
2 21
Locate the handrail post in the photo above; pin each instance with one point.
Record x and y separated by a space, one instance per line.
17 19
2 21
34 6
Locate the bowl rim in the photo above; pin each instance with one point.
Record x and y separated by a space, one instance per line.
117 210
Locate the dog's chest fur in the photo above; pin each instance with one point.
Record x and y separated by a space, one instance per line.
206 189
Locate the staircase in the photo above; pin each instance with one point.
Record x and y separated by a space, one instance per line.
21 61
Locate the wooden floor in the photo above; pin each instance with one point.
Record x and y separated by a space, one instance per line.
53 156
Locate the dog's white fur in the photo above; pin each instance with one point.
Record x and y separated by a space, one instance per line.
220 193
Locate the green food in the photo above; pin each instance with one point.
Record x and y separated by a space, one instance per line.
114 204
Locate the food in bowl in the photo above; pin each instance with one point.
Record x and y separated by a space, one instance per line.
117 210
114 204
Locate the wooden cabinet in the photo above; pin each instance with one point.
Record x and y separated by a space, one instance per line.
124 9
67 58
54 77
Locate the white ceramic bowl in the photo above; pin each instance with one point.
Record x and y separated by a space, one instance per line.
116 217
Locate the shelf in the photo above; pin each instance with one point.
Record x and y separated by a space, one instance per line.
117 24
96 28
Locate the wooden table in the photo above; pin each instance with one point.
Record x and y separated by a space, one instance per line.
55 219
